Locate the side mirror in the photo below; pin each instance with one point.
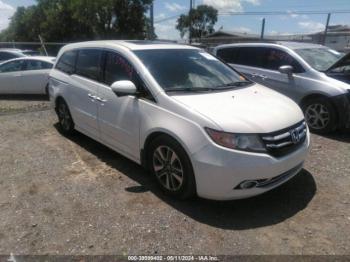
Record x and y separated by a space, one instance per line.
124 88
286 69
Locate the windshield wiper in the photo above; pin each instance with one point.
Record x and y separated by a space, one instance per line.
190 89
234 84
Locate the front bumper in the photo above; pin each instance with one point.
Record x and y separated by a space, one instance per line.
219 171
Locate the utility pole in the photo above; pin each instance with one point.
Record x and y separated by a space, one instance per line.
326 29
43 45
151 34
262 29
190 17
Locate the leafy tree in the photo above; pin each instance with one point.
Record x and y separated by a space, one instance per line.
203 19
76 20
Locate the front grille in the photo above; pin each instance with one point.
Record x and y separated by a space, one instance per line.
285 141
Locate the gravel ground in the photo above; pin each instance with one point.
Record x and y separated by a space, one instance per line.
74 196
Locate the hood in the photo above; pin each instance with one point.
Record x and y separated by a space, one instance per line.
344 61
254 109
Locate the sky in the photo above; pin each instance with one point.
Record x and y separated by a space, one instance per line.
288 23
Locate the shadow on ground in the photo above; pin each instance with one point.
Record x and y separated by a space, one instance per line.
25 97
264 210
341 136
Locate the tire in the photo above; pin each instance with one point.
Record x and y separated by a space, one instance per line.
172 168
65 119
47 91
320 115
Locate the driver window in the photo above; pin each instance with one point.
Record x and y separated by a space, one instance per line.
275 58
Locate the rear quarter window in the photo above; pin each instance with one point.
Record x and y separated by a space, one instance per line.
67 61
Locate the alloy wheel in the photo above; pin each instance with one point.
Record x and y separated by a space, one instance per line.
168 168
317 116
64 116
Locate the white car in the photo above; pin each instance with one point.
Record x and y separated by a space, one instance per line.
25 75
10 53
195 123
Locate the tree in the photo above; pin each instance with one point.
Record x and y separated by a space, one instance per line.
77 20
203 19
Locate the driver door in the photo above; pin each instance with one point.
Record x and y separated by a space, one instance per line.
119 117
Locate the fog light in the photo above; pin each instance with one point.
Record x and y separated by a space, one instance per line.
248 184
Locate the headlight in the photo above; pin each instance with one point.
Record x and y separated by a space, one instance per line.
245 142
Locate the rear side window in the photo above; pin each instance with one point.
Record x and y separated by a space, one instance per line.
88 63
117 68
250 56
37 65
67 61
229 55
274 58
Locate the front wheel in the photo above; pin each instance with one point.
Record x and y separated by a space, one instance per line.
172 167
320 115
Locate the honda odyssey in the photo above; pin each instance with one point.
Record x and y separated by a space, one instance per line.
314 76
196 124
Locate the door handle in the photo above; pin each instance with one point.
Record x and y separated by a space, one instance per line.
254 75
101 99
263 77
92 96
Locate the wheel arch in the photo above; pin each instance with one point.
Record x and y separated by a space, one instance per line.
312 96
329 99
151 137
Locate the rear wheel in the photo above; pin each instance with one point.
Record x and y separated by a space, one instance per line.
64 117
320 115
172 168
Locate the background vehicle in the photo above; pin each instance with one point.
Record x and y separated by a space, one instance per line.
8 54
307 73
181 113
26 75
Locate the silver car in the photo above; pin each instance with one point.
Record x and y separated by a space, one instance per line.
315 76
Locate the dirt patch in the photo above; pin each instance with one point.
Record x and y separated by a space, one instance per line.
63 195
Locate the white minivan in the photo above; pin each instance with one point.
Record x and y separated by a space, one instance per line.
199 126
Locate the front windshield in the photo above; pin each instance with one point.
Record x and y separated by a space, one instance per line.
320 58
189 69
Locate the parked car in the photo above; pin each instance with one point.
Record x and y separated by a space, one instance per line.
25 75
8 54
314 76
193 121
29 52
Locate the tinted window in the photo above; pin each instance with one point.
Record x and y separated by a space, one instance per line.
7 56
250 56
229 55
88 63
275 58
189 69
117 68
66 63
37 65
13 66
